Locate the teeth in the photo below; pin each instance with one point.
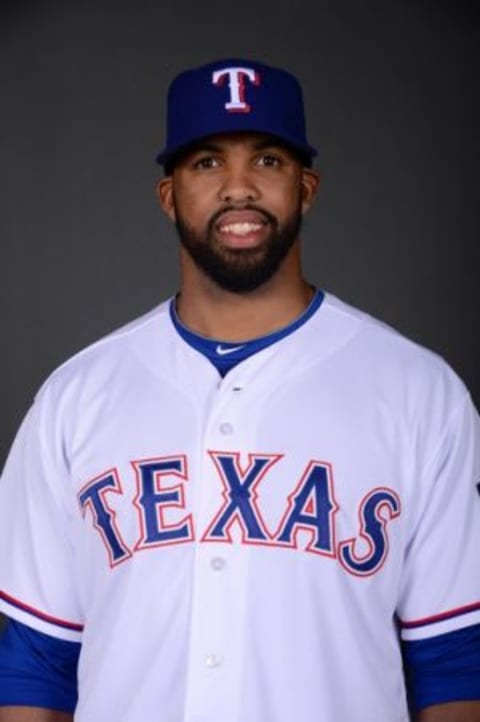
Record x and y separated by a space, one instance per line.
241 229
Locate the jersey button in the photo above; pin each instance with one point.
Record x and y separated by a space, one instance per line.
226 428
213 660
217 563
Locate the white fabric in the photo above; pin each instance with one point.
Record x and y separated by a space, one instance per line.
197 630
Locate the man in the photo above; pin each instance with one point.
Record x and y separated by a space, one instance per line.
244 505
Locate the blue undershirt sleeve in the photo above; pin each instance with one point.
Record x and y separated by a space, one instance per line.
443 669
37 670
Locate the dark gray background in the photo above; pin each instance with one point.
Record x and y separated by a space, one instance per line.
391 89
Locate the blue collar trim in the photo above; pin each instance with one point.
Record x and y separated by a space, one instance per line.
224 355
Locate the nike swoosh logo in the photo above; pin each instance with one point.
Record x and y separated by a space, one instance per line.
224 351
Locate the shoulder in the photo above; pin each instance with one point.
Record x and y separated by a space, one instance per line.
98 363
375 334
387 364
378 343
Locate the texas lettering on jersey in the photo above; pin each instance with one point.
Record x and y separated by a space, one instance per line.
310 508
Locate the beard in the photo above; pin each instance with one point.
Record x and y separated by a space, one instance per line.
240 270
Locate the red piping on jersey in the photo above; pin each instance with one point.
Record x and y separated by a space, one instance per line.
441 617
41 615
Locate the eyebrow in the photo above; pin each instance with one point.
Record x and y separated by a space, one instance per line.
261 144
269 143
206 146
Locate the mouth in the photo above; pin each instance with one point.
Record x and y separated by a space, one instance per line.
242 228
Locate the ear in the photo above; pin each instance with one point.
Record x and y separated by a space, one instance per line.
164 190
310 184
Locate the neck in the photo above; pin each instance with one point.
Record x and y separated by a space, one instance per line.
215 313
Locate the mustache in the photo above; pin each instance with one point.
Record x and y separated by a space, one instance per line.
246 207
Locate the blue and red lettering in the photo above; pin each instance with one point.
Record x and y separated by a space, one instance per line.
373 531
240 497
93 496
311 508
153 500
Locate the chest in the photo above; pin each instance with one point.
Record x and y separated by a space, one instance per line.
306 467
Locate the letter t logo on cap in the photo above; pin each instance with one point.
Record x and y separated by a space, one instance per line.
236 84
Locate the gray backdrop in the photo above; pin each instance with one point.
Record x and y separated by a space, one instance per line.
391 89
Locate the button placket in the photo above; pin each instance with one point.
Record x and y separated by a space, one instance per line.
213 660
216 642
226 428
217 564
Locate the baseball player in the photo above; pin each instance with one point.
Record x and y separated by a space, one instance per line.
255 503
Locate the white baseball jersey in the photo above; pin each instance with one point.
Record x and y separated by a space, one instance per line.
246 548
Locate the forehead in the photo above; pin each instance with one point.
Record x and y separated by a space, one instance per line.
231 142
241 138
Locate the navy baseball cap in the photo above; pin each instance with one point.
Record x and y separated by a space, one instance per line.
233 95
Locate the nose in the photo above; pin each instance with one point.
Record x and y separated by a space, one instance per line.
238 185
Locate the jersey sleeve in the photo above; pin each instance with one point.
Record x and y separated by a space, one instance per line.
37 585
440 589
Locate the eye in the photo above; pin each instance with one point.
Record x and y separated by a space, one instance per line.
205 163
269 160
